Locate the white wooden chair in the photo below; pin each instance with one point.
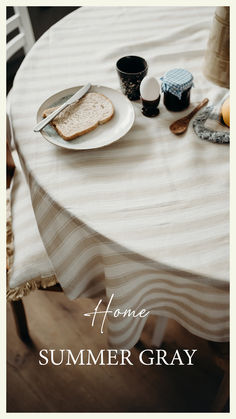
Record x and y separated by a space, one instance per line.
34 268
40 274
25 38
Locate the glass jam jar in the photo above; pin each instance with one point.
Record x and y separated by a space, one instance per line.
176 85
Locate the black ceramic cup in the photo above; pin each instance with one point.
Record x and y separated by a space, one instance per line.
131 70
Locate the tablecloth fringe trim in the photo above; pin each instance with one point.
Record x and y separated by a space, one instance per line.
17 293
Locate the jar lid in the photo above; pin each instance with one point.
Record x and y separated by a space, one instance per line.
176 81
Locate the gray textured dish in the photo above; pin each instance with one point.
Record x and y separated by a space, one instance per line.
221 137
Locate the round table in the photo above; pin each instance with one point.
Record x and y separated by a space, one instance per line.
146 218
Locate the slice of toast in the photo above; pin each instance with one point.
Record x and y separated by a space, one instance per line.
82 116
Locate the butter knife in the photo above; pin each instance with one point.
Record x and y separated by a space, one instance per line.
78 95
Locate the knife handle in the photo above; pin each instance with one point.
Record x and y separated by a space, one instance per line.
49 118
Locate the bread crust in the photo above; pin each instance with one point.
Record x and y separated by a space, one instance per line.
80 133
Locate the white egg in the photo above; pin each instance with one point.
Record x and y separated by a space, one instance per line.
149 88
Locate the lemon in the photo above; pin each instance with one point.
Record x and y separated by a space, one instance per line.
225 111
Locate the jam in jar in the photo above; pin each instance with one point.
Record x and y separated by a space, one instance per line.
176 85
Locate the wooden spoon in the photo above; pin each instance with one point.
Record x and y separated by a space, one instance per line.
181 125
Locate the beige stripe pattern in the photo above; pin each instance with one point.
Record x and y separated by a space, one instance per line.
146 218
30 259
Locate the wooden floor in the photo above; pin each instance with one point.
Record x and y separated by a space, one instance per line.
56 322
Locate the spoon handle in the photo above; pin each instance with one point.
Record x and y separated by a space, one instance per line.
198 107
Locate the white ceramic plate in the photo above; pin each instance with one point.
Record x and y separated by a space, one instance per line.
103 135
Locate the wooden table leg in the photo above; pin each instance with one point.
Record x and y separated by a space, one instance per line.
20 320
159 331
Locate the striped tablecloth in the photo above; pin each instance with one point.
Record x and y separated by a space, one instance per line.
146 218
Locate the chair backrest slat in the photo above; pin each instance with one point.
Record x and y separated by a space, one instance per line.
13 23
15 44
25 39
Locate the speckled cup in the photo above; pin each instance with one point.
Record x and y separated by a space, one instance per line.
131 70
